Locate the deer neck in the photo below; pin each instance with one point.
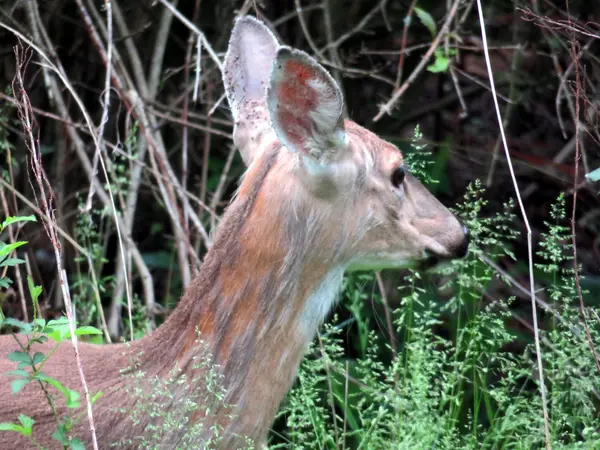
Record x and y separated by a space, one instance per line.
261 294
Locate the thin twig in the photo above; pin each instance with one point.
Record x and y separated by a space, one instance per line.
387 107
358 27
106 198
28 121
574 55
407 21
64 235
527 226
196 30
305 30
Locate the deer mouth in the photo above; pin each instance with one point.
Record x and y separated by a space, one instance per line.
431 260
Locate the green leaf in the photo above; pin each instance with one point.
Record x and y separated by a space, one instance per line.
95 397
594 175
60 435
86 330
23 327
52 382
27 423
57 330
14 219
5 282
426 20
7 248
76 444
11 262
38 357
19 373
34 291
5 426
18 384
72 399
440 64
18 356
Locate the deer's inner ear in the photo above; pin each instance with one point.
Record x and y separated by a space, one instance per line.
305 106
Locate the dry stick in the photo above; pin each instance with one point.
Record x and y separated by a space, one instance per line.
221 186
136 172
507 114
64 235
136 162
386 108
131 97
28 121
174 109
407 20
207 129
281 20
60 71
452 68
122 266
561 88
195 29
105 103
526 221
13 238
333 51
185 137
206 146
160 45
123 279
134 60
555 60
98 140
39 33
53 93
198 77
148 89
305 31
106 199
359 26
573 234
160 165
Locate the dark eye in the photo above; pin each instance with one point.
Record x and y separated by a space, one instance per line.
398 176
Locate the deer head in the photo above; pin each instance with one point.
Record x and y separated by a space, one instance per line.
321 195
371 213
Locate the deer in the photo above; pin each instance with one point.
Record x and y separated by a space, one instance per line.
320 196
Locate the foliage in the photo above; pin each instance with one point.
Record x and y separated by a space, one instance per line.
197 398
460 391
30 360
7 249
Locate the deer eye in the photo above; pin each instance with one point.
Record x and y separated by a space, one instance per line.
398 176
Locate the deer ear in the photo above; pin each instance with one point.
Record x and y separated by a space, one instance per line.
248 63
305 106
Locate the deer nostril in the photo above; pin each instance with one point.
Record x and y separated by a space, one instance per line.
463 249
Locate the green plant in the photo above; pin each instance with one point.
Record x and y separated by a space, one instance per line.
7 249
460 388
30 363
197 397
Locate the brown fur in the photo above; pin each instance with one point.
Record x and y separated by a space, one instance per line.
246 302
266 284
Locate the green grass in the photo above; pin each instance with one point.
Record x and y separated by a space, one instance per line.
462 377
